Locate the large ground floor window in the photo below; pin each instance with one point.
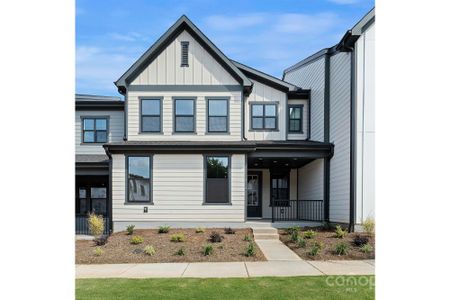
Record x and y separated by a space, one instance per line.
138 178
217 179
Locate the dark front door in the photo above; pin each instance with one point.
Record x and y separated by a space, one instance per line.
254 195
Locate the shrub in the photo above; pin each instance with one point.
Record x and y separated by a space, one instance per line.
292 229
149 250
369 226
340 233
98 251
177 238
316 248
130 229
180 252
228 230
101 240
163 229
294 236
215 237
326 225
301 242
309 234
207 250
137 239
341 249
247 238
96 225
367 248
250 251
199 230
359 240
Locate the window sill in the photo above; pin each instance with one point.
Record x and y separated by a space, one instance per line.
96 143
151 132
206 203
138 203
256 130
217 133
296 132
185 132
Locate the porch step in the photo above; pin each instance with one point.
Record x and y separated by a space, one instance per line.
265 230
266 236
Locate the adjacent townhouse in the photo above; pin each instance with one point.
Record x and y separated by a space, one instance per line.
202 140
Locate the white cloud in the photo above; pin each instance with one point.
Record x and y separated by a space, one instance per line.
221 22
302 23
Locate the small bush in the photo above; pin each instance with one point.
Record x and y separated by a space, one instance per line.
98 251
316 248
177 238
326 225
199 230
367 248
228 230
369 226
294 236
215 237
96 225
163 229
137 239
250 251
301 242
359 240
149 250
101 240
207 250
180 252
130 229
310 234
247 238
341 249
292 229
340 233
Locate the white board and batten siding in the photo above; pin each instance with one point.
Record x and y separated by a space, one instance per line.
115 130
340 98
312 76
310 181
178 191
365 125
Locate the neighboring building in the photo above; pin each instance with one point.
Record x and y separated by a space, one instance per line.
341 79
201 140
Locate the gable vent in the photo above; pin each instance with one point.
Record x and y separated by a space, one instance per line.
184 54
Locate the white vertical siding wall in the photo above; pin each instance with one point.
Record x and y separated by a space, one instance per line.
340 97
312 76
310 181
178 190
365 131
115 133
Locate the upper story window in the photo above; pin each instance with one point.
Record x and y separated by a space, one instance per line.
185 54
295 124
95 130
217 115
139 178
151 115
184 115
264 116
217 179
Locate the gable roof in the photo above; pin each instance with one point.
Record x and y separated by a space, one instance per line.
183 23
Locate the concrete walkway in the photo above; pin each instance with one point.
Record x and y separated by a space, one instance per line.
281 261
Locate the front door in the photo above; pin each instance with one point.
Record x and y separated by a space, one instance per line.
254 197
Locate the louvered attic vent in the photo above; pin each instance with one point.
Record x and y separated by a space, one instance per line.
184 54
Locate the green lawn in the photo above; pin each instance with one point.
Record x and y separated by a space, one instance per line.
341 287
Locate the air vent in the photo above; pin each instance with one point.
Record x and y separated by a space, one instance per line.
184 54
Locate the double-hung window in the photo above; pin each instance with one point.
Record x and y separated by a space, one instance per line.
264 116
295 124
95 130
139 178
217 179
184 115
151 115
217 115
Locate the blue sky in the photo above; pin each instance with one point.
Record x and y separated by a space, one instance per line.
267 35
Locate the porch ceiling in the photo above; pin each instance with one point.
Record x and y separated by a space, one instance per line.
277 162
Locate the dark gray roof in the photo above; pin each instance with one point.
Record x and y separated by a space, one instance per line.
183 23
91 158
86 97
349 38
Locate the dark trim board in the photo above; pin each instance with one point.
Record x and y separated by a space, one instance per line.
99 105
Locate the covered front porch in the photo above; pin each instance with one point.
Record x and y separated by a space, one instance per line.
287 182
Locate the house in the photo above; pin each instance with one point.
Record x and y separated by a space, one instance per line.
202 140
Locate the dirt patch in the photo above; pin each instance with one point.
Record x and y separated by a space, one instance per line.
120 250
327 237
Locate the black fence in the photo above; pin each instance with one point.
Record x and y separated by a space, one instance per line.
82 227
297 210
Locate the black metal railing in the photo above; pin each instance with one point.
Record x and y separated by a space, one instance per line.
82 227
297 210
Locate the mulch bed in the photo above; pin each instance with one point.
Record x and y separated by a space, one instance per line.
120 250
327 237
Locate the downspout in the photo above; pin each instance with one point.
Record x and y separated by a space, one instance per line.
352 142
109 189
123 91
326 133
